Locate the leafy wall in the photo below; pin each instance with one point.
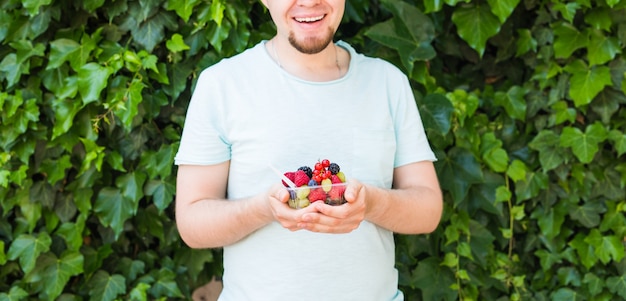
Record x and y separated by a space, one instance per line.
523 103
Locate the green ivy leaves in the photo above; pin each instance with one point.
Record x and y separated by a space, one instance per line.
410 32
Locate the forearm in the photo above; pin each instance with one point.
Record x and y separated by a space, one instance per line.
414 210
217 223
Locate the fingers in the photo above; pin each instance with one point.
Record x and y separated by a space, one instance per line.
332 219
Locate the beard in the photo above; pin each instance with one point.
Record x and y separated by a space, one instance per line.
311 45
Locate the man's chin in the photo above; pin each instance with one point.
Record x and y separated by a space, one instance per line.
311 45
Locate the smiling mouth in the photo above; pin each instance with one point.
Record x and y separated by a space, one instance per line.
309 19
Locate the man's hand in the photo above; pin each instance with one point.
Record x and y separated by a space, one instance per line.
320 217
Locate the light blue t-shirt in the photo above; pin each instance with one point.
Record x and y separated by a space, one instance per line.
248 110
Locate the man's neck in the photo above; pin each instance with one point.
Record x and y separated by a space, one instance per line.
329 64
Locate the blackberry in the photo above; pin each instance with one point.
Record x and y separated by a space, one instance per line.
307 170
334 168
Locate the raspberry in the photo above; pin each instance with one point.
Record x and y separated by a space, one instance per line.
307 170
291 176
335 179
317 194
336 193
300 178
334 168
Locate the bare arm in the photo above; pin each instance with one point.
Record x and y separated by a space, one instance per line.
413 206
203 216
205 219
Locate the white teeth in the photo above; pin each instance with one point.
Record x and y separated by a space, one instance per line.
310 19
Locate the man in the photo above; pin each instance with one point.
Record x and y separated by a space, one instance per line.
288 102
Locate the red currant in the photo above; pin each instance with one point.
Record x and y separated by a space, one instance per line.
325 163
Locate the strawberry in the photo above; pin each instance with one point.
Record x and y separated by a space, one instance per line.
317 194
300 178
291 176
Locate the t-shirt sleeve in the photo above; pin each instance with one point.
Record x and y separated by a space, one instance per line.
412 142
204 140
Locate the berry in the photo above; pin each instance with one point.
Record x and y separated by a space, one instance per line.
335 179
312 182
334 168
307 170
291 176
317 194
300 178
325 163
336 193
319 166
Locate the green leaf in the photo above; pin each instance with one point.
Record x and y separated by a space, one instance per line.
56 168
463 170
476 24
607 103
56 273
431 6
60 51
513 102
92 5
94 154
517 170
503 8
436 112
27 248
599 18
550 220
567 10
584 250
617 285
584 145
132 99
183 8
550 154
165 285
92 79
217 11
563 113
410 32
606 247
162 193
588 214
176 44
492 152
568 39
525 42
113 209
602 49
594 283
566 294
619 141
15 293
547 259
150 32
586 82
103 286
429 276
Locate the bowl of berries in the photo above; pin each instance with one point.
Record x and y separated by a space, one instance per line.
325 182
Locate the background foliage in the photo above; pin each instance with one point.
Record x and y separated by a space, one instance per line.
523 102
